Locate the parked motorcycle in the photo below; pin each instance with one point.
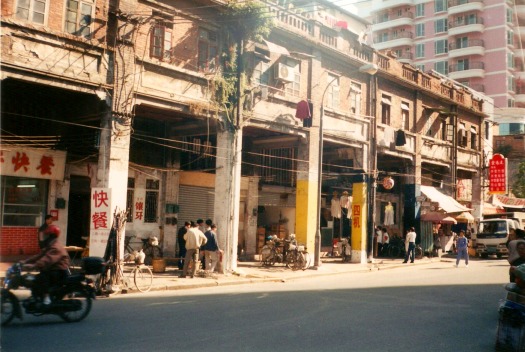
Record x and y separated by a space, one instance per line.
71 300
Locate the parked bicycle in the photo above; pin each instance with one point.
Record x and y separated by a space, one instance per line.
295 255
150 247
113 274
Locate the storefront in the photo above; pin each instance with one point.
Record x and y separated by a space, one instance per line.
26 176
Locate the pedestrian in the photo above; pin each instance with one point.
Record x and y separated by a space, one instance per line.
211 248
201 225
462 248
515 236
410 240
202 254
520 248
194 240
182 244
379 239
48 221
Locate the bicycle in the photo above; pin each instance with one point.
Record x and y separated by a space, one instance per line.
150 247
113 274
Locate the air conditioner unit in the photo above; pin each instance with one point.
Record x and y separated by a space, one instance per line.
284 73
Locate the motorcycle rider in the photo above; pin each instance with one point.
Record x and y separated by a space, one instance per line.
52 261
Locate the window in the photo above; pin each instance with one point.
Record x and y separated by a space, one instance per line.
487 130
510 60
208 50
420 50
472 19
510 103
443 129
510 16
441 46
355 98
294 88
511 84
278 166
473 138
152 200
332 94
462 135
441 67
24 201
386 101
31 10
440 5
420 30
130 198
405 121
160 46
78 18
261 73
510 37
441 25
420 10
461 42
463 64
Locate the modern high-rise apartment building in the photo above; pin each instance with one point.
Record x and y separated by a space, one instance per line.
478 43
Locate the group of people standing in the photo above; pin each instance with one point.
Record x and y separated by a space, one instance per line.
198 240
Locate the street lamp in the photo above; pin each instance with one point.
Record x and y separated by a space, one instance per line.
371 69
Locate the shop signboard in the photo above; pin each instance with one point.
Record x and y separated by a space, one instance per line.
100 221
498 174
32 163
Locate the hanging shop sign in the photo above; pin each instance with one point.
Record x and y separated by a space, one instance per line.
32 163
100 220
498 174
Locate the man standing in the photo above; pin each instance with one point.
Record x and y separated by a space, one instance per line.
194 240
462 247
182 243
211 249
411 241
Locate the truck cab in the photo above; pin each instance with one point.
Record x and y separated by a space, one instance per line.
493 233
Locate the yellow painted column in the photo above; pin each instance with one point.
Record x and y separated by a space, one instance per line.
306 214
359 222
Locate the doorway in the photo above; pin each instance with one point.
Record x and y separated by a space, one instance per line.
78 211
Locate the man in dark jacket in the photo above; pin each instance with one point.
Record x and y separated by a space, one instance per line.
182 244
52 261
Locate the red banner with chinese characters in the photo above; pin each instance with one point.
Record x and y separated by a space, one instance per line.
498 174
100 221
32 163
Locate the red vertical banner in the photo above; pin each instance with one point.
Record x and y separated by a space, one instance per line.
100 221
498 174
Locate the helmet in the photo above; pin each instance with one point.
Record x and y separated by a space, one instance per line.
52 230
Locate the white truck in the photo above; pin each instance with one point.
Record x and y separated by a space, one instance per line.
493 233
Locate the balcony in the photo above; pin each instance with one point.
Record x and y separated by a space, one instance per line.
466 70
391 40
390 4
392 21
461 6
435 149
468 48
473 25
520 9
521 31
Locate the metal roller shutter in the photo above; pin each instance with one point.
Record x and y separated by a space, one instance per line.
195 203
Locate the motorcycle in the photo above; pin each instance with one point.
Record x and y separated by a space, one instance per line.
71 299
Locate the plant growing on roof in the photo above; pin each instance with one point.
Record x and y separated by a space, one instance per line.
244 21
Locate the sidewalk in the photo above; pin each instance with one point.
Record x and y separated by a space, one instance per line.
253 272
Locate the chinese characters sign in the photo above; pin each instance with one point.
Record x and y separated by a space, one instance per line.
359 219
498 174
100 220
33 163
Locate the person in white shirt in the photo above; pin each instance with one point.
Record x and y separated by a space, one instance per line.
411 241
194 240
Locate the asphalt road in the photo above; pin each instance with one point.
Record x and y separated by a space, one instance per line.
432 307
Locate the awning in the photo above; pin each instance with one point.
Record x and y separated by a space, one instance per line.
465 217
276 49
438 218
508 202
447 203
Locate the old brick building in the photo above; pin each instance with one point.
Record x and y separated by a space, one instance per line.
130 93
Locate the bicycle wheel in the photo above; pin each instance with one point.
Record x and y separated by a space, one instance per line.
419 253
143 278
394 252
8 309
306 260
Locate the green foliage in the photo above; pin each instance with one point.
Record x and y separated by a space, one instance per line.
518 187
504 150
244 21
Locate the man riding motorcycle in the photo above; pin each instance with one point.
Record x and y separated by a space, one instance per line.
52 261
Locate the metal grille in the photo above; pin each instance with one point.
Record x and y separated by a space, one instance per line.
278 166
151 201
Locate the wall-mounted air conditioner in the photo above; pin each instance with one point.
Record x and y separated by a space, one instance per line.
284 73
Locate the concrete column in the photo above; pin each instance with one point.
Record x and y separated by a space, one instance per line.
306 196
412 190
250 225
227 196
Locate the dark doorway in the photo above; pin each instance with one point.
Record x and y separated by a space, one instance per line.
78 211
